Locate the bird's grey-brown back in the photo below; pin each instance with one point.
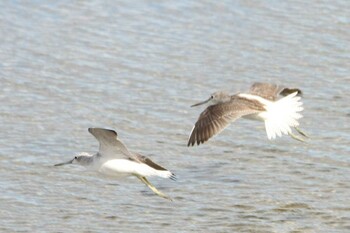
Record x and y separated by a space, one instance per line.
271 91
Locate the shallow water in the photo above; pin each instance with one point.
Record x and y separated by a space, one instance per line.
66 66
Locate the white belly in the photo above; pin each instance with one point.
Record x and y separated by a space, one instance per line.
120 167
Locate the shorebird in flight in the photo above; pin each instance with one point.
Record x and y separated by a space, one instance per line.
114 159
260 103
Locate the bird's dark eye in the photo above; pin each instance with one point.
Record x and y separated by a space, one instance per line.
75 157
212 97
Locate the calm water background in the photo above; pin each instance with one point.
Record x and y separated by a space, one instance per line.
136 67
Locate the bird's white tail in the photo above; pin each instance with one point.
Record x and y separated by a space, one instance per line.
166 174
281 115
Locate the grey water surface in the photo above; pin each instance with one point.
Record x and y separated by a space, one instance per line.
136 67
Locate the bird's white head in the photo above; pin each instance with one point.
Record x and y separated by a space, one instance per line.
215 98
82 158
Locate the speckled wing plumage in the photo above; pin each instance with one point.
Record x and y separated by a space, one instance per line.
217 117
271 91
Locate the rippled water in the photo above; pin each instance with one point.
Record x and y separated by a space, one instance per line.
137 67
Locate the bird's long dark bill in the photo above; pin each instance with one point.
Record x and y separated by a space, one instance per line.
69 162
200 103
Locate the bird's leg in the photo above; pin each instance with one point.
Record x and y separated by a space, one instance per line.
154 189
301 132
296 137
